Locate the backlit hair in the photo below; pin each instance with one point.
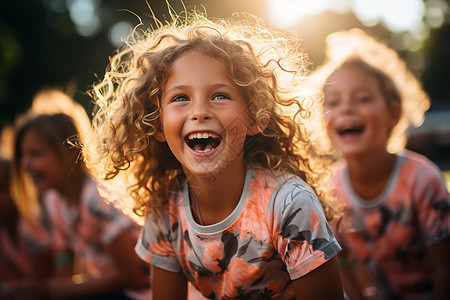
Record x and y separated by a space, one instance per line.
53 101
265 64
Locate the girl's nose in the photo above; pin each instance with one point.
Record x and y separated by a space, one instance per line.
201 111
347 106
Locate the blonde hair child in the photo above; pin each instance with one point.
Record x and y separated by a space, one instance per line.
396 223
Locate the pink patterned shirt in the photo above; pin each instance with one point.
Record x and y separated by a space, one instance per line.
276 234
89 229
389 235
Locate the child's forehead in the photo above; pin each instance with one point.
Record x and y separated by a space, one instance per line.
36 138
196 63
35 133
351 75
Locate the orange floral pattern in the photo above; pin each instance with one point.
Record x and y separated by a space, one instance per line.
279 234
390 239
162 248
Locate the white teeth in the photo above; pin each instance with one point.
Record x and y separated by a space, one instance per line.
204 135
204 151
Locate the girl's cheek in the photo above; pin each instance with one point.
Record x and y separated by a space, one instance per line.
328 118
25 163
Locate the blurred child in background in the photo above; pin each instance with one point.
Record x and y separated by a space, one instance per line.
80 220
396 223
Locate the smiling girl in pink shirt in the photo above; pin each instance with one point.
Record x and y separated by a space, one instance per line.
203 122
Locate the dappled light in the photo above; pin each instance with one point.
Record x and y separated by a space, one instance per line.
85 16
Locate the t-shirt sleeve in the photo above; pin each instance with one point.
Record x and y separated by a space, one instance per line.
301 232
433 205
110 221
155 243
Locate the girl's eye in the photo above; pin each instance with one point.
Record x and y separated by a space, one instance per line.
331 102
180 98
363 99
35 153
221 97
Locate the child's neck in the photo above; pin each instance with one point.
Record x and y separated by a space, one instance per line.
214 199
73 186
370 174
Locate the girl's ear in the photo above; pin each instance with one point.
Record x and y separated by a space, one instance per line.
396 112
159 135
253 128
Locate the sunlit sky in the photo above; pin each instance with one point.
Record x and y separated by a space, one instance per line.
411 19
286 13
399 16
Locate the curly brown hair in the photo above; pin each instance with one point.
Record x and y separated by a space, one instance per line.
265 63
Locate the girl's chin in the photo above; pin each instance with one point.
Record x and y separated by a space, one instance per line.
204 174
40 186
214 166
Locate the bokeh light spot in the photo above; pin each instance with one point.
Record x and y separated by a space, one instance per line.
84 14
119 32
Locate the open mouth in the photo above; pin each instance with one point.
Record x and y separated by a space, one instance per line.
37 178
203 142
351 130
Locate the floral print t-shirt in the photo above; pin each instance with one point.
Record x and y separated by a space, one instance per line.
389 235
276 233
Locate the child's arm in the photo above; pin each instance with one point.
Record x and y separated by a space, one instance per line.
350 282
132 271
351 286
128 273
168 285
441 262
322 283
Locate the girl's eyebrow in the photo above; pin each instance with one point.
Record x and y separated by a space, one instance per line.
183 87
176 88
